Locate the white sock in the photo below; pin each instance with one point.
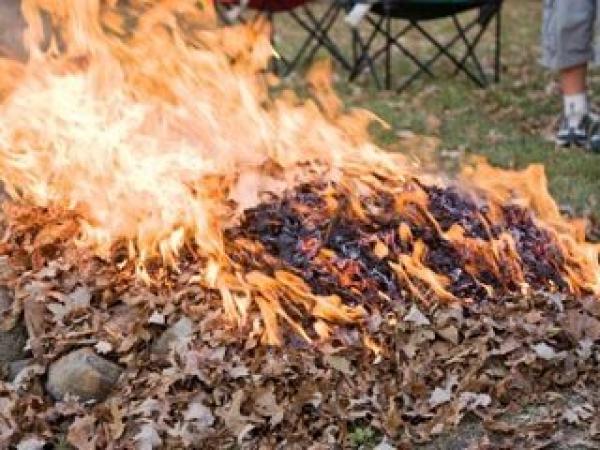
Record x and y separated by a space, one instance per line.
576 106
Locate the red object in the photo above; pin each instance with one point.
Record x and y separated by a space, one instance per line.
269 5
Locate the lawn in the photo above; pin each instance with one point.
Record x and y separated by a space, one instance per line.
510 123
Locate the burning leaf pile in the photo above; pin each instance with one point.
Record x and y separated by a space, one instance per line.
381 253
169 212
404 241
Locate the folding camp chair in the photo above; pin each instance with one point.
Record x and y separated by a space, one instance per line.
412 14
314 18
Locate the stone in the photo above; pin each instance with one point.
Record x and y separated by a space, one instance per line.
83 374
177 334
13 340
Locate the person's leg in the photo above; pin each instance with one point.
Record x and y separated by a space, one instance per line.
573 80
574 90
567 43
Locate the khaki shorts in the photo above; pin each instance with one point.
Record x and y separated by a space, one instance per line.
569 36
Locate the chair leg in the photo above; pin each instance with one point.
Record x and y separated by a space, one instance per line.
363 55
322 35
279 64
450 56
394 41
388 54
497 56
428 63
221 13
313 34
470 48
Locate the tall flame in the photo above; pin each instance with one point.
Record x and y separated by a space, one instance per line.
156 127
147 136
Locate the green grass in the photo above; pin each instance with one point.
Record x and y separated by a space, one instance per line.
467 128
364 437
510 123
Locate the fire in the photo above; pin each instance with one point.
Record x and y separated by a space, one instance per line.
164 133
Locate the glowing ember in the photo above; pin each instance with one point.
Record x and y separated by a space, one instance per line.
164 134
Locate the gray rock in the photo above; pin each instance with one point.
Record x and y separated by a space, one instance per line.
84 374
177 334
12 341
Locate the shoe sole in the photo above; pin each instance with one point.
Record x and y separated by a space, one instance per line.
575 142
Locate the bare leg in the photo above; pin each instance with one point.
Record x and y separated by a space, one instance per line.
573 80
573 128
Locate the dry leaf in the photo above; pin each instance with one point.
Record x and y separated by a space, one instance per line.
82 433
157 318
439 396
234 420
580 325
147 438
417 317
339 363
117 427
579 413
545 351
265 404
472 401
381 250
103 347
31 443
384 445
200 414
76 301
450 333
240 371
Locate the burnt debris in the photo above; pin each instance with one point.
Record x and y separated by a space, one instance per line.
337 251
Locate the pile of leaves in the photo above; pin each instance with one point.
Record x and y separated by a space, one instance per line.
521 372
